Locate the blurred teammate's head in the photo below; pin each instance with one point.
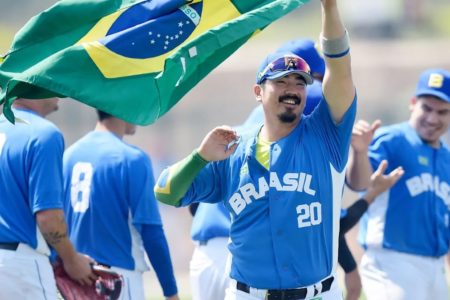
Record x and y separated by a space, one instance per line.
42 107
430 108
115 124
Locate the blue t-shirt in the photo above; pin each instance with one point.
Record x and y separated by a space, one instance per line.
30 176
211 220
412 216
108 188
285 220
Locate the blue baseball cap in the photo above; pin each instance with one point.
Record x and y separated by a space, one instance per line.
280 64
306 49
434 82
313 96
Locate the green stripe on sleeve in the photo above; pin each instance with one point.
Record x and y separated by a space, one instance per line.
174 182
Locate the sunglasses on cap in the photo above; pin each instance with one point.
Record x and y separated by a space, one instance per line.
286 65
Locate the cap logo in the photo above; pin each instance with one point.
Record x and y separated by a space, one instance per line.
260 74
290 63
436 80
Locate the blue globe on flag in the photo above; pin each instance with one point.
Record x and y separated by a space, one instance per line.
145 32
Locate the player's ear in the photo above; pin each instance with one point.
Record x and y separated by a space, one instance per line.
257 90
412 103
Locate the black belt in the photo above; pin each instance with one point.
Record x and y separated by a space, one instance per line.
9 246
289 294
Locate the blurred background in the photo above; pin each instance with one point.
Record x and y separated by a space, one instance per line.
392 42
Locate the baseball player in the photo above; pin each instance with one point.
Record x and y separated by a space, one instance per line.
110 207
31 212
282 182
447 138
362 135
351 215
208 272
211 224
406 230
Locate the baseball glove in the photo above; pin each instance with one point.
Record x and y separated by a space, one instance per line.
107 286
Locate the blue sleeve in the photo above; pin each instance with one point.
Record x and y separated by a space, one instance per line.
207 186
45 173
210 221
157 249
144 207
335 136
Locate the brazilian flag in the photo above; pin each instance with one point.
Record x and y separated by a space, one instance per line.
132 59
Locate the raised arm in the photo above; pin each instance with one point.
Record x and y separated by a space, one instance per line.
175 181
359 169
338 85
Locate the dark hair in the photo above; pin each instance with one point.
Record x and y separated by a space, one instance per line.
102 115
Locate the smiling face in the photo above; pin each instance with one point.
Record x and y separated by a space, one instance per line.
430 117
283 98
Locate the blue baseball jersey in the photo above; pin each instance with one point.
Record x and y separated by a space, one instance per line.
210 221
108 190
446 138
213 220
30 176
413 216
285 220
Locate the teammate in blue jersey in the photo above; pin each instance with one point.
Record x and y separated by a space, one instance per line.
282 181
362 135
31 212
447 138
406 230
208 267
110 207
211 226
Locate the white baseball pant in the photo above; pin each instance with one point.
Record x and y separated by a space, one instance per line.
393 275
209 269
26 274
133 286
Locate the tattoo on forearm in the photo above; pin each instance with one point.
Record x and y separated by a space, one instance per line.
54 228
55 237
